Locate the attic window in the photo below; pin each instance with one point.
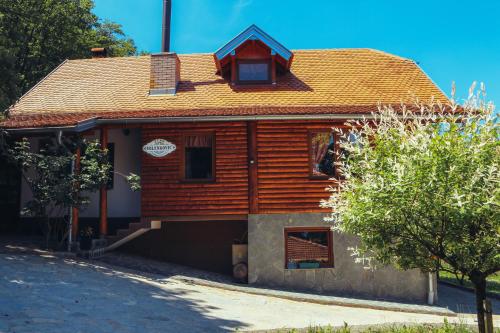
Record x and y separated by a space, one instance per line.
254 71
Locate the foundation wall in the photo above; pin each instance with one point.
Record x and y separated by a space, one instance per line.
266 256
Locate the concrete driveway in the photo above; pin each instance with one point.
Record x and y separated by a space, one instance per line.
43 293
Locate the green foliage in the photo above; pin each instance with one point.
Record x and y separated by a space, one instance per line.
49 175
134 181
54 186
422 189
37 35
446 327
492 281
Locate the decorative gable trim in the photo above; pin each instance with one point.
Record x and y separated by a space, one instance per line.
253 33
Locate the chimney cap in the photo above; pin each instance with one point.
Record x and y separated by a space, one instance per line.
99 52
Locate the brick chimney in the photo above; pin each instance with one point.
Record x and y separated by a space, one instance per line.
165 73
99 52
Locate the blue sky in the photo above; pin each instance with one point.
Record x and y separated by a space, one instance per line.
451 40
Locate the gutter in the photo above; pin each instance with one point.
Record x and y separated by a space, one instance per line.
87 124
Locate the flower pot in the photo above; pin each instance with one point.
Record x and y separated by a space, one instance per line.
309 265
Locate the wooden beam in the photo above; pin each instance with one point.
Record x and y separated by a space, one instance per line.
233 69
103 202
198 218
253 195
74 211
273 69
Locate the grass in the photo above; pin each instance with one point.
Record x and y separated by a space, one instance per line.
443 328
492 283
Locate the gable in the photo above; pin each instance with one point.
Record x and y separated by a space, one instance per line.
253 33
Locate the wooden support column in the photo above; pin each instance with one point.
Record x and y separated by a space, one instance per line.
74 211
253 195
273 69
103 202
233 69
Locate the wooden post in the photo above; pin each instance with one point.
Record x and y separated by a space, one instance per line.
488 316
233 69
253 192
74 210
103 204
273 69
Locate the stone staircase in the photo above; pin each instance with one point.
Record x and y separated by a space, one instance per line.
134 230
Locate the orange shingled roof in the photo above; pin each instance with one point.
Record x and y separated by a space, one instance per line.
320 82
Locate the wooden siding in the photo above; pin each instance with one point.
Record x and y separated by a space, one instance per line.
165 194
284 185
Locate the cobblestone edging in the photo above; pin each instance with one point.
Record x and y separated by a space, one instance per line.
219 281
325 300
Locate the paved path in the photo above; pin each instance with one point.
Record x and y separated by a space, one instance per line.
42 293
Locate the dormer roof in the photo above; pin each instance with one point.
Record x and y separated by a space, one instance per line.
253 32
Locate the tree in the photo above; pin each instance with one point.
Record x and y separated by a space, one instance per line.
54 186
421 188
37 35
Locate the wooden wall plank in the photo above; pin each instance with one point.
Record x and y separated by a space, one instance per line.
165 194
284 185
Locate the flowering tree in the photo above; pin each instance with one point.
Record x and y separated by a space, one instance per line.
421 188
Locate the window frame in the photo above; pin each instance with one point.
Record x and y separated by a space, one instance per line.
253 61
328 230
182 169
310 134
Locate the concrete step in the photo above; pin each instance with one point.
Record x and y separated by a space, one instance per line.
134 230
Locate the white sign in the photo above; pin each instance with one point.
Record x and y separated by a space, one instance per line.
159 148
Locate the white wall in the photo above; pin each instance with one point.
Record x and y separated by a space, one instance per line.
122 201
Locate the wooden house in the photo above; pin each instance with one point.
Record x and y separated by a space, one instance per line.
231 147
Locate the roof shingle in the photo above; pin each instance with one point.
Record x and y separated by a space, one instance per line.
320 82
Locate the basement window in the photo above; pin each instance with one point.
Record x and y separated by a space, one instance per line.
308 248
322 155
199 157
254 71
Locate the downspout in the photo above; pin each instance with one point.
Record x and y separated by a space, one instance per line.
431 293
70 226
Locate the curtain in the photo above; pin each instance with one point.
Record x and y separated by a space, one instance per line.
198 141
320 143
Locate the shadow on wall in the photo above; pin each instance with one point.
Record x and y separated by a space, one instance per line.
99 299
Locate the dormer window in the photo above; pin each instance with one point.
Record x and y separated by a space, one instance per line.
253 57
254 71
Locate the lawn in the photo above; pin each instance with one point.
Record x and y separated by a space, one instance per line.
444 328
492 284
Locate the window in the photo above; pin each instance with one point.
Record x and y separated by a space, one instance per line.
253 71
308 248
111 159
198 157
322 154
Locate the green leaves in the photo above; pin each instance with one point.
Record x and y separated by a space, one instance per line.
423 187
50 178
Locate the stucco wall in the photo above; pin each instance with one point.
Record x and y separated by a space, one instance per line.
266 263
122 201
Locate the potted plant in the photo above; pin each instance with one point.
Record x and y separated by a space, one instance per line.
86 235
309 264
